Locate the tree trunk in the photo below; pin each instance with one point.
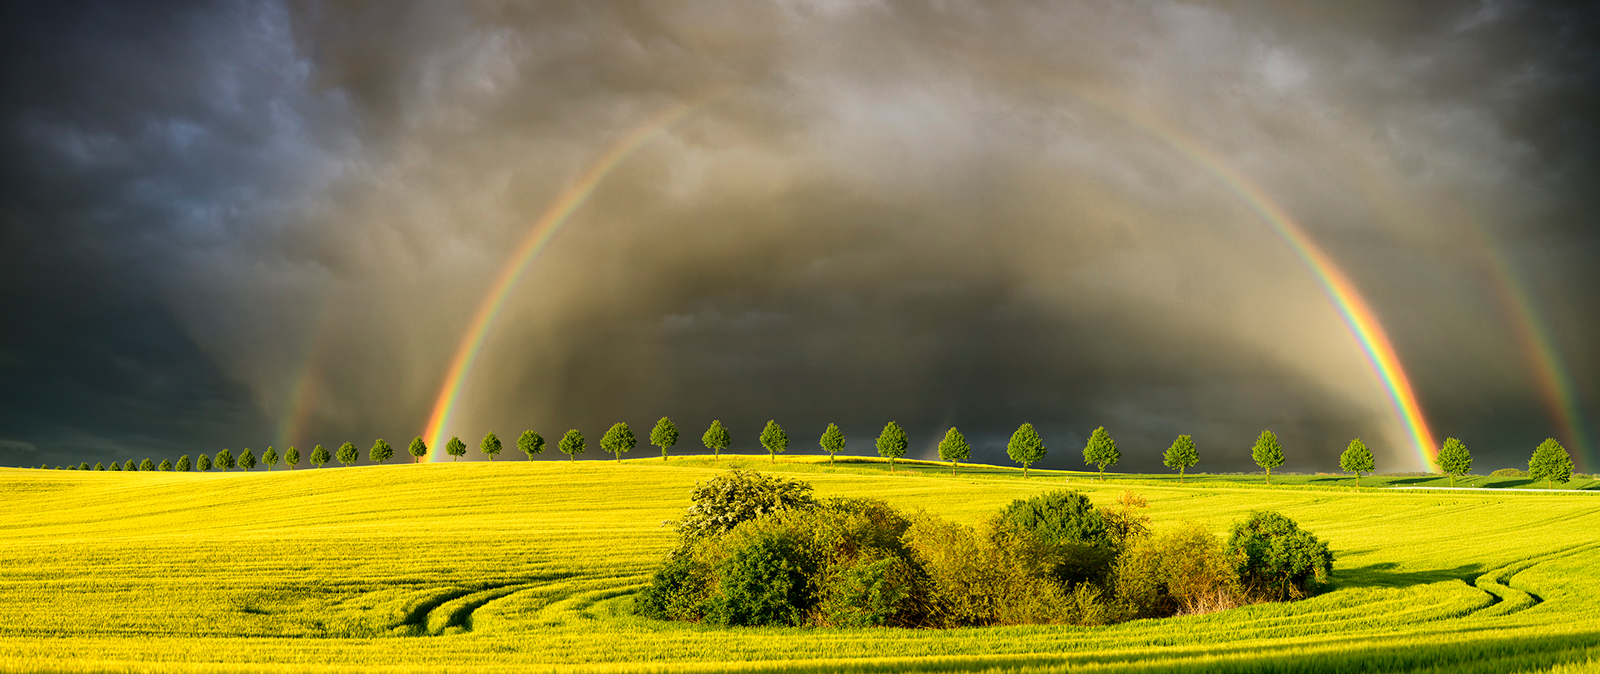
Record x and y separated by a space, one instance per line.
952 469
1180 476
1269 477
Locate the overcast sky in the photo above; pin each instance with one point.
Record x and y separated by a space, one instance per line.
241 224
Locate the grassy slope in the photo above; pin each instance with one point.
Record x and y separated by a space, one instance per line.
503 566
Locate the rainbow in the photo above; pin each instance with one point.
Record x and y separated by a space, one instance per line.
550 222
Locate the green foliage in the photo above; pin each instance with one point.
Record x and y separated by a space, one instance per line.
954 448
832 441
892 443
716 438
1267 453
571 444
320 456
736 496
455 448
1276 560
291 458
529 443
129 465
184 465
490 446
1181 571
1454 459
147 465
1101 451
348 454
774 439
247 460
1025 447
202 464
1509 472
223 460
114 466
99 466
270 457
664 435
419 449
618 440
1356 459
82 465
1181 456
165 466
1551 463
1073 537
380 452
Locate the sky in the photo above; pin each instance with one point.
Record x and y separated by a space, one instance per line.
243 224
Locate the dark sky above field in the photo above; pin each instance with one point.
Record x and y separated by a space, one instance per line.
235 224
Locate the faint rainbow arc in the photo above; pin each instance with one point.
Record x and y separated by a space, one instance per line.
544 228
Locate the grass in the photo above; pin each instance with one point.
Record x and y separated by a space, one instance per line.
518 566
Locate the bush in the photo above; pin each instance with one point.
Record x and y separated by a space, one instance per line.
1276 560
1070 530
1509 472
1182 571
725 501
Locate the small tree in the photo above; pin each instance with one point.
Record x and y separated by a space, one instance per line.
1454 459
184 465
223 460
270 457
348 454
664 435
99 466
1025 447
1181 456
1356 459
114 466
832 441
1551 463
202 464
320 456
291 458
892 443
165 466
247 460
1267 453
618 440
455 448
530 443
490 446
1101 451
380 452
129 465
774 439
571 444
418 449
954 448
147 465
716 438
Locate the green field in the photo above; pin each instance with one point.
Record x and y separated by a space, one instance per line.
519 566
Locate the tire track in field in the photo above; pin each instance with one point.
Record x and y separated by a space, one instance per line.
1509 599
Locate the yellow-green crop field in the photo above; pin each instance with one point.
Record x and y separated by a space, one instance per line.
519 566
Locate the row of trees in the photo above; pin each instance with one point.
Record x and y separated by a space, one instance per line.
1550 461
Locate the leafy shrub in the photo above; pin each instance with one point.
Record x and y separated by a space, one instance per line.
1509 472
1067 525
987 575
1182 571
1275 559
739 496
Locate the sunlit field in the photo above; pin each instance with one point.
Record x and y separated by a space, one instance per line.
532 566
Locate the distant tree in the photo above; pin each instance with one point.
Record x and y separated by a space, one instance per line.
348 454
1181 456
147 465
114 466
223 460
1101 451
99 466
1551 463
618 440
1356 459
892 443
184 465
83 465
455 448
832 441
1267 453
717 438
128 465
202 464
418 449
1454 459
320 456
71 467
571 444
380 452
270 457
1025 447
774 439
247 460
165 465
490 446
954 448
664 435
291 458
530 443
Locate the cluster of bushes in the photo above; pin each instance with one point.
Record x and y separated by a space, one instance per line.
762 550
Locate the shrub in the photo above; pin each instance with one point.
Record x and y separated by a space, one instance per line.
1181 571
739 496
1509 472
1070 528
1275 559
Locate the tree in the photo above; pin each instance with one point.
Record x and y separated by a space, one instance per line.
1356 459
348 454
99 466
1454 459
184 464
202 464
1551 463
455 448
165 465
114 466
530 443
128 466
1101 451
618 440
1267 453
1025 447
320 456
490 446
147 465
380 452
223 460
291 458
1181 456
774 439
892 443
716 438
418 449
954 448
832 441
571 444
247 460
664 435
270 457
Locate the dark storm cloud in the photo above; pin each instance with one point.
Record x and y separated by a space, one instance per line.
254 223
